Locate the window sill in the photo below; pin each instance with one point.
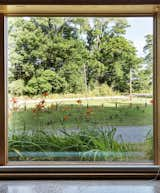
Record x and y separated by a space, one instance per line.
80 172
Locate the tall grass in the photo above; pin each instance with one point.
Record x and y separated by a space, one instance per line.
89 144
77 132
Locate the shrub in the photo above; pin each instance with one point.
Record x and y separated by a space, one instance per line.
32 87
16 88
102 90
47 81
43 85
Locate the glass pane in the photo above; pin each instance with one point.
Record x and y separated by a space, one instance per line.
80 89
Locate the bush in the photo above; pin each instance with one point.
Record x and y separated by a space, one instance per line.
43 85
102 90
58 83
32 87
16 87
47 81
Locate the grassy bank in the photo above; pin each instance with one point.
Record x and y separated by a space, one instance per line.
79 116
33 129
86 145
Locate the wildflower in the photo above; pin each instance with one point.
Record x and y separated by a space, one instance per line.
79 101
42 102
89 110
66 117
34 110
45 94
40 106
14 100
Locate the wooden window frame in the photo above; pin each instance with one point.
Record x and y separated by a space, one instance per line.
80 2
39 170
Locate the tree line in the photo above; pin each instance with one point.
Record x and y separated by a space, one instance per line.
75 54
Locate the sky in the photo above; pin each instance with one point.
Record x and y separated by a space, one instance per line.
140 26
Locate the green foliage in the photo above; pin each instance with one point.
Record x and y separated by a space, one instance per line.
102 90
148 59
119 56
16 88
144 76
148 50
47 81
87 145
88 131
73 76
58 83
102 113
32 87
43 85
70 55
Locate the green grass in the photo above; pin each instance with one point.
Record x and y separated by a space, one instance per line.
35 131
52 118
88 144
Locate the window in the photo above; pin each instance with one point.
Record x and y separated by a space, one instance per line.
98 159
80 89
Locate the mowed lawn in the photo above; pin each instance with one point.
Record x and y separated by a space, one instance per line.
95 115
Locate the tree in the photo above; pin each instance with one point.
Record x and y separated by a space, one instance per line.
40 45
70 54
144 81
106 41
148 59
119 57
